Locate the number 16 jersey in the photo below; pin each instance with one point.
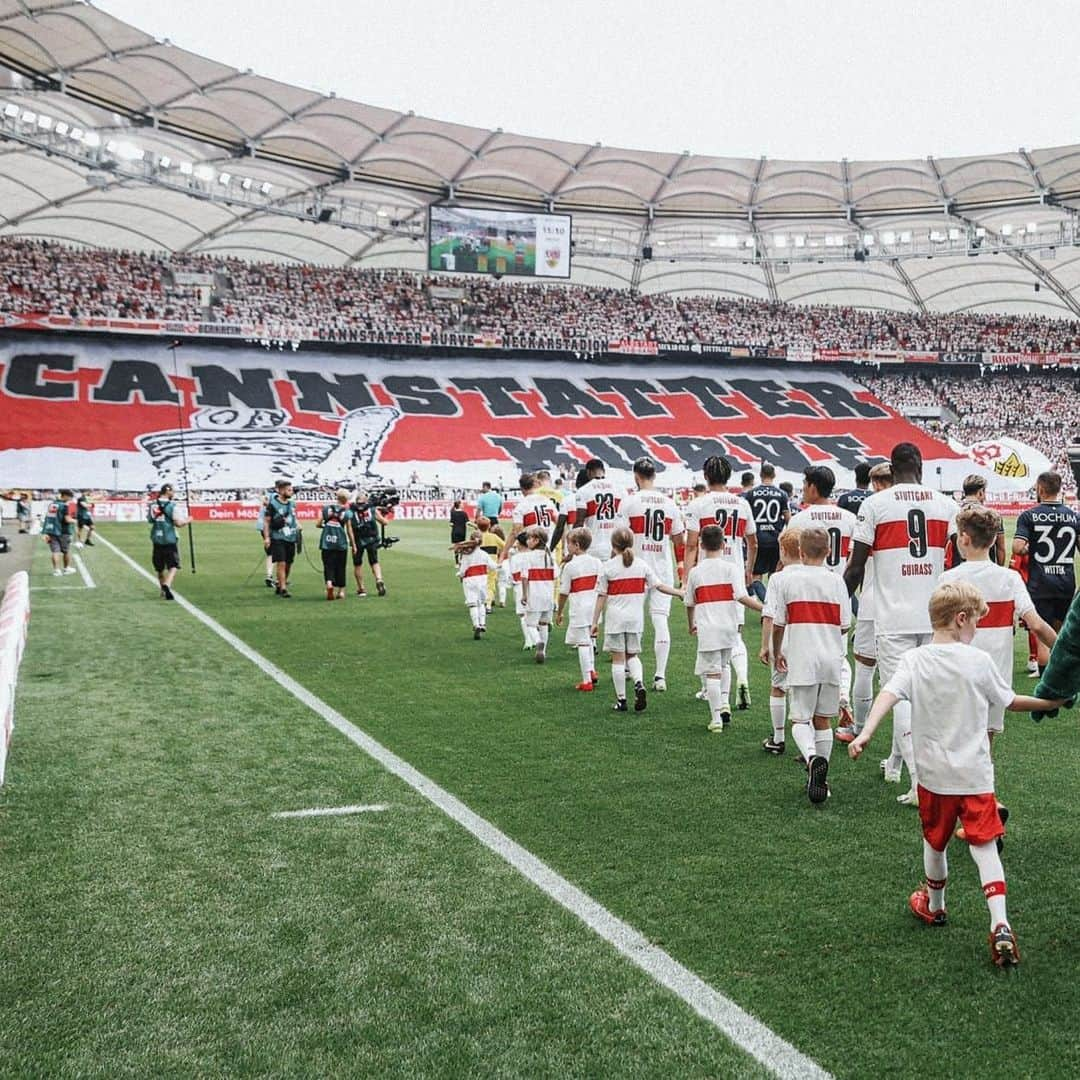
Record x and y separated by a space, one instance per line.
906 527
653 518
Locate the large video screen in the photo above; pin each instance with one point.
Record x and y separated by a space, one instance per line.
515 243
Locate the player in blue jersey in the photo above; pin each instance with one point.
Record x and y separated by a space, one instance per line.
1047 534
852 500
771 513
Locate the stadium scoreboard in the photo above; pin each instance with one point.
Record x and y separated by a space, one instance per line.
515 243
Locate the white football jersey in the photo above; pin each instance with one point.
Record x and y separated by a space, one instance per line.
713 589
475 564
1008 599
578 582
866 591
906 526
625 588
812 604
838 523
538 569
532 510
654 519
731 513
598 509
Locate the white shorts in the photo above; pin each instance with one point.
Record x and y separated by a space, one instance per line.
863 641
806 702
519 604
712 661
535 618
890 647
624 643
577 636
777 679
658 603
476 592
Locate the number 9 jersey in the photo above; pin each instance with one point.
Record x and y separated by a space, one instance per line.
906 528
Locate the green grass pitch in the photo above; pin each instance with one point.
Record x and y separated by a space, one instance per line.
156 918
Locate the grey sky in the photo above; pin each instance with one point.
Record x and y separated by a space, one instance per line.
790 79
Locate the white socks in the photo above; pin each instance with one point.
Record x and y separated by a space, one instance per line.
778 711
634 669
542 635
725 684
584 655
902 736
802 731
714 691
618 677
661 644
992 876
474 614
862 694
936 867
823 743
739 661
845 681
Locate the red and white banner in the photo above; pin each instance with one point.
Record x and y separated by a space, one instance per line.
113 414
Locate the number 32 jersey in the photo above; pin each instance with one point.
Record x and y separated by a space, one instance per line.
906 527
1051 532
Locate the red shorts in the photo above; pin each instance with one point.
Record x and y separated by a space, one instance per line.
977 813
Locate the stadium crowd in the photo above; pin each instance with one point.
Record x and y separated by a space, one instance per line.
42 277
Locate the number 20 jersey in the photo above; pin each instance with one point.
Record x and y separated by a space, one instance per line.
906 527
653 518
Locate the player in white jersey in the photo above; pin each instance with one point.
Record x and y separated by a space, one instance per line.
533 509
620 596
598 508
953 689
906 529
812 612
657 524
789 556
731 512
577 588
538 587
714 591
473 566
820 511
863 646
515 568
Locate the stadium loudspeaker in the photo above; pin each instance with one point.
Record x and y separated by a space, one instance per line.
325 214
1074 461
646 252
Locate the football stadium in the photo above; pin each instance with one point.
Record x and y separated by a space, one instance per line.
476 604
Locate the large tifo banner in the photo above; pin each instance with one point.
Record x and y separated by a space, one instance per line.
115 414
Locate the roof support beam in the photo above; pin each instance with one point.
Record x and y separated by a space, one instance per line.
901 273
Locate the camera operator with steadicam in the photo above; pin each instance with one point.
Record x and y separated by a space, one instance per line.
369 534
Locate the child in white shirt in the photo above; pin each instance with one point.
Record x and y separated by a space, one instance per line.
473 567
538 587
789 556
577 586
954 689
515 567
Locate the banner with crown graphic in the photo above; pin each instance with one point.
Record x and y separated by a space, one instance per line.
1007 464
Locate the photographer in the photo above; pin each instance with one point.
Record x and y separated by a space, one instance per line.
367 523
280 534
57 529
336 540
163 516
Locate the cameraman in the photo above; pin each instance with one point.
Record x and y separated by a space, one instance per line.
164 517
280 533
367 523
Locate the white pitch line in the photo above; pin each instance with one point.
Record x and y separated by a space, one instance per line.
333 811
745 1031
88 581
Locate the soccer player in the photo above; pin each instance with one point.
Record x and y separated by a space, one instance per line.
84 519
811 614
819 482
577 586
335 541
790 555
718 506
164 517
279 534
564 505
532 509
621 587
598 504
953 691
656 523
863 647
538 587
1047 534
769 506
905 528
852 500
56 530
714 591
473 566
975 495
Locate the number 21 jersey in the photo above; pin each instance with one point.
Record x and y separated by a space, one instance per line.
906 527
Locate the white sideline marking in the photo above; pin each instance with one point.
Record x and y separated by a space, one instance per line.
88 581
333 811
56 588
746 1031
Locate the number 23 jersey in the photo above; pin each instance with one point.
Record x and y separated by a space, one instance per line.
906 527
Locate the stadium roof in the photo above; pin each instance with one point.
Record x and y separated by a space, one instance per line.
178 152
